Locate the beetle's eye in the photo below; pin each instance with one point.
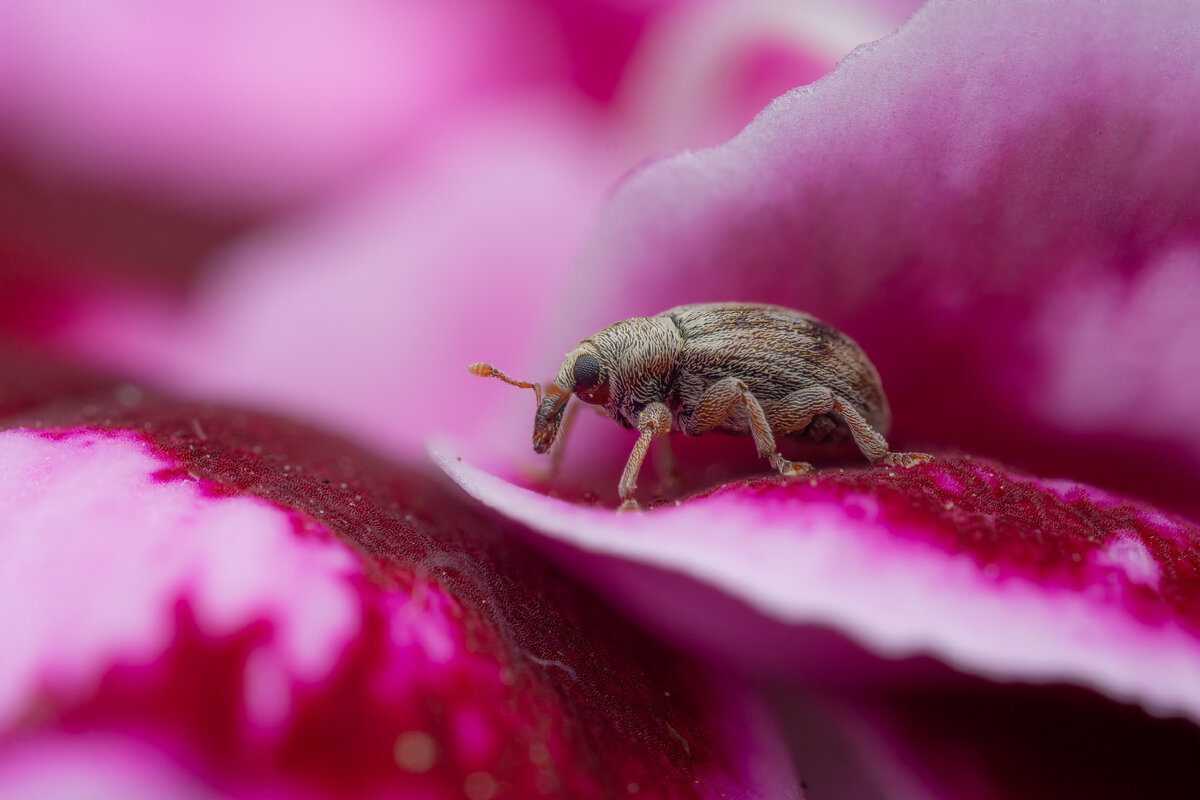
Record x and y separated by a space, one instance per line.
587 372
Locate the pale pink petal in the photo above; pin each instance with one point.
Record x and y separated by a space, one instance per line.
62 767
72 503
135 140
999 202
270 612
365 314
245 104
258 104
993 572
701 74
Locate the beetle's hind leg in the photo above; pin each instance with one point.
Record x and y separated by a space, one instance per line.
796 411
716 406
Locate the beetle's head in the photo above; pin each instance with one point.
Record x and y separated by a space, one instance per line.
582 373
587 374
550 406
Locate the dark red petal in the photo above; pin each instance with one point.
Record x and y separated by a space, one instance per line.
968 738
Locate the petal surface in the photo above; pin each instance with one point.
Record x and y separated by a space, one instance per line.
263 611
994 572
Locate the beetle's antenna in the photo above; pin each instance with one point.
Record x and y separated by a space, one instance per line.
483 370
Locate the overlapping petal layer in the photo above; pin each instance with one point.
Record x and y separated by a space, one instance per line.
994 572
203 600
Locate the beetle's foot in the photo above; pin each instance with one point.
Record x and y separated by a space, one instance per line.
629 504
790 469
904 459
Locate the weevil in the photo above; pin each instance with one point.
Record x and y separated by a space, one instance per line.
740 368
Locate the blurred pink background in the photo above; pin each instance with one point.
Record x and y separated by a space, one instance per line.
330 208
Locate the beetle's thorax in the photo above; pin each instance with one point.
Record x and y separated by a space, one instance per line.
639 357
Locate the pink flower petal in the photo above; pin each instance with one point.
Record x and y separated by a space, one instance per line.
279 614
996 573
245 104
75 501
703 74
95 767
398 289
998 202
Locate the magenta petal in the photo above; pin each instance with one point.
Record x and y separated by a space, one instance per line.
993 572
198 599
999 202
60 767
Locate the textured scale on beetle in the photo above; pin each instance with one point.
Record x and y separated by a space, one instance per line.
750 370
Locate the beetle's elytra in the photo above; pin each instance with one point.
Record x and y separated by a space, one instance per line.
751 370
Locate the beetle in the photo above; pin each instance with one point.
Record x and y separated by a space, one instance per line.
740 368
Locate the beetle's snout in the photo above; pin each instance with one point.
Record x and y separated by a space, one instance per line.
545 429
543 438
549 417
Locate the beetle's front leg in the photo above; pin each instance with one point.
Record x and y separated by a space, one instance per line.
655 420
716 405
560 440
556 452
